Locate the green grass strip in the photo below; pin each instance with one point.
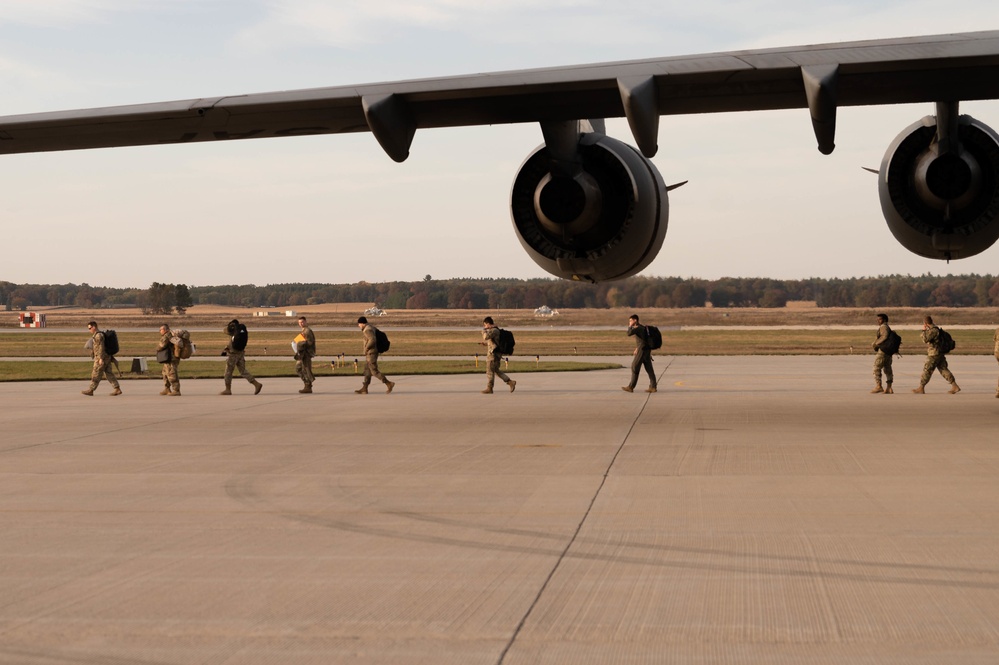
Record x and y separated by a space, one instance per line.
42 370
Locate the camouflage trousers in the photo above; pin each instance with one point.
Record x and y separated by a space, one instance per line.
493 370
882 362
371 369
171 379
304 368
236 360
937 362
100 371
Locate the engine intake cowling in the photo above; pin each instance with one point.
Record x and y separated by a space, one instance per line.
939 203
607 221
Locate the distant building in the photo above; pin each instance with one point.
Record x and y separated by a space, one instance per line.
375 311
31 320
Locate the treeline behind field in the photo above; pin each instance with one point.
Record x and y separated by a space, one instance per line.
503 293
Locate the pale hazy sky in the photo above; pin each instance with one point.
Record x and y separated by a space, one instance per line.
761 200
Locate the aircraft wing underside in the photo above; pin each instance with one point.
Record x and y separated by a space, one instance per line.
922 69
586 206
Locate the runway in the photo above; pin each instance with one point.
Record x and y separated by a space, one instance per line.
754 510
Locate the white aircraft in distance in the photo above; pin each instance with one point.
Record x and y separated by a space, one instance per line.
545 311
588 207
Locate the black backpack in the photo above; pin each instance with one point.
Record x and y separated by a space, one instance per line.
505 342
653 338
240 337
891 345
945 342
382 342
111 342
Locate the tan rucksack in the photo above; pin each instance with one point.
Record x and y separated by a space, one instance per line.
182 346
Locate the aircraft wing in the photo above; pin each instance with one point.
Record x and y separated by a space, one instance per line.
919 69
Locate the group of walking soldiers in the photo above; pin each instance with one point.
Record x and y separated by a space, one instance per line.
886 345
169 355
938 344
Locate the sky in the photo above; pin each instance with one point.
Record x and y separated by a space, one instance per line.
761 200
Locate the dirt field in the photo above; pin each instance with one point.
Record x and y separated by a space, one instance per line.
345 314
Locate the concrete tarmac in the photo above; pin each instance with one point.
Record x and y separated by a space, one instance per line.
754 510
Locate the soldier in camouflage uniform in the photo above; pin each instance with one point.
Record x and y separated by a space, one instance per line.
935 358
236 359
171 379
490 340
303 356
371 358
641 357
882 361
102 363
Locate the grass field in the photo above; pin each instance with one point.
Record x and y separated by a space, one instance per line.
345 314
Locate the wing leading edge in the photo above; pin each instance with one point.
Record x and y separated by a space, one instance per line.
921 69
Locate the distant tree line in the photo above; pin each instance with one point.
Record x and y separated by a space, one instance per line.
428 293
164 298
157 299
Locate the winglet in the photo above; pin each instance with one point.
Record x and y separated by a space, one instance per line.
820 89
640 98
391 121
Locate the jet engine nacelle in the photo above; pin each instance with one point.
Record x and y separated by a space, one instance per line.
942 202
602 219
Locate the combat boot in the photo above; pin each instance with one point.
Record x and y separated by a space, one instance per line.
627 389
919 390
307 389
488 391
389 385
89 392
651 389
257 386
116 391
954 388
877 389
888 390
165 391
513 385
363 390
227 391
176 393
